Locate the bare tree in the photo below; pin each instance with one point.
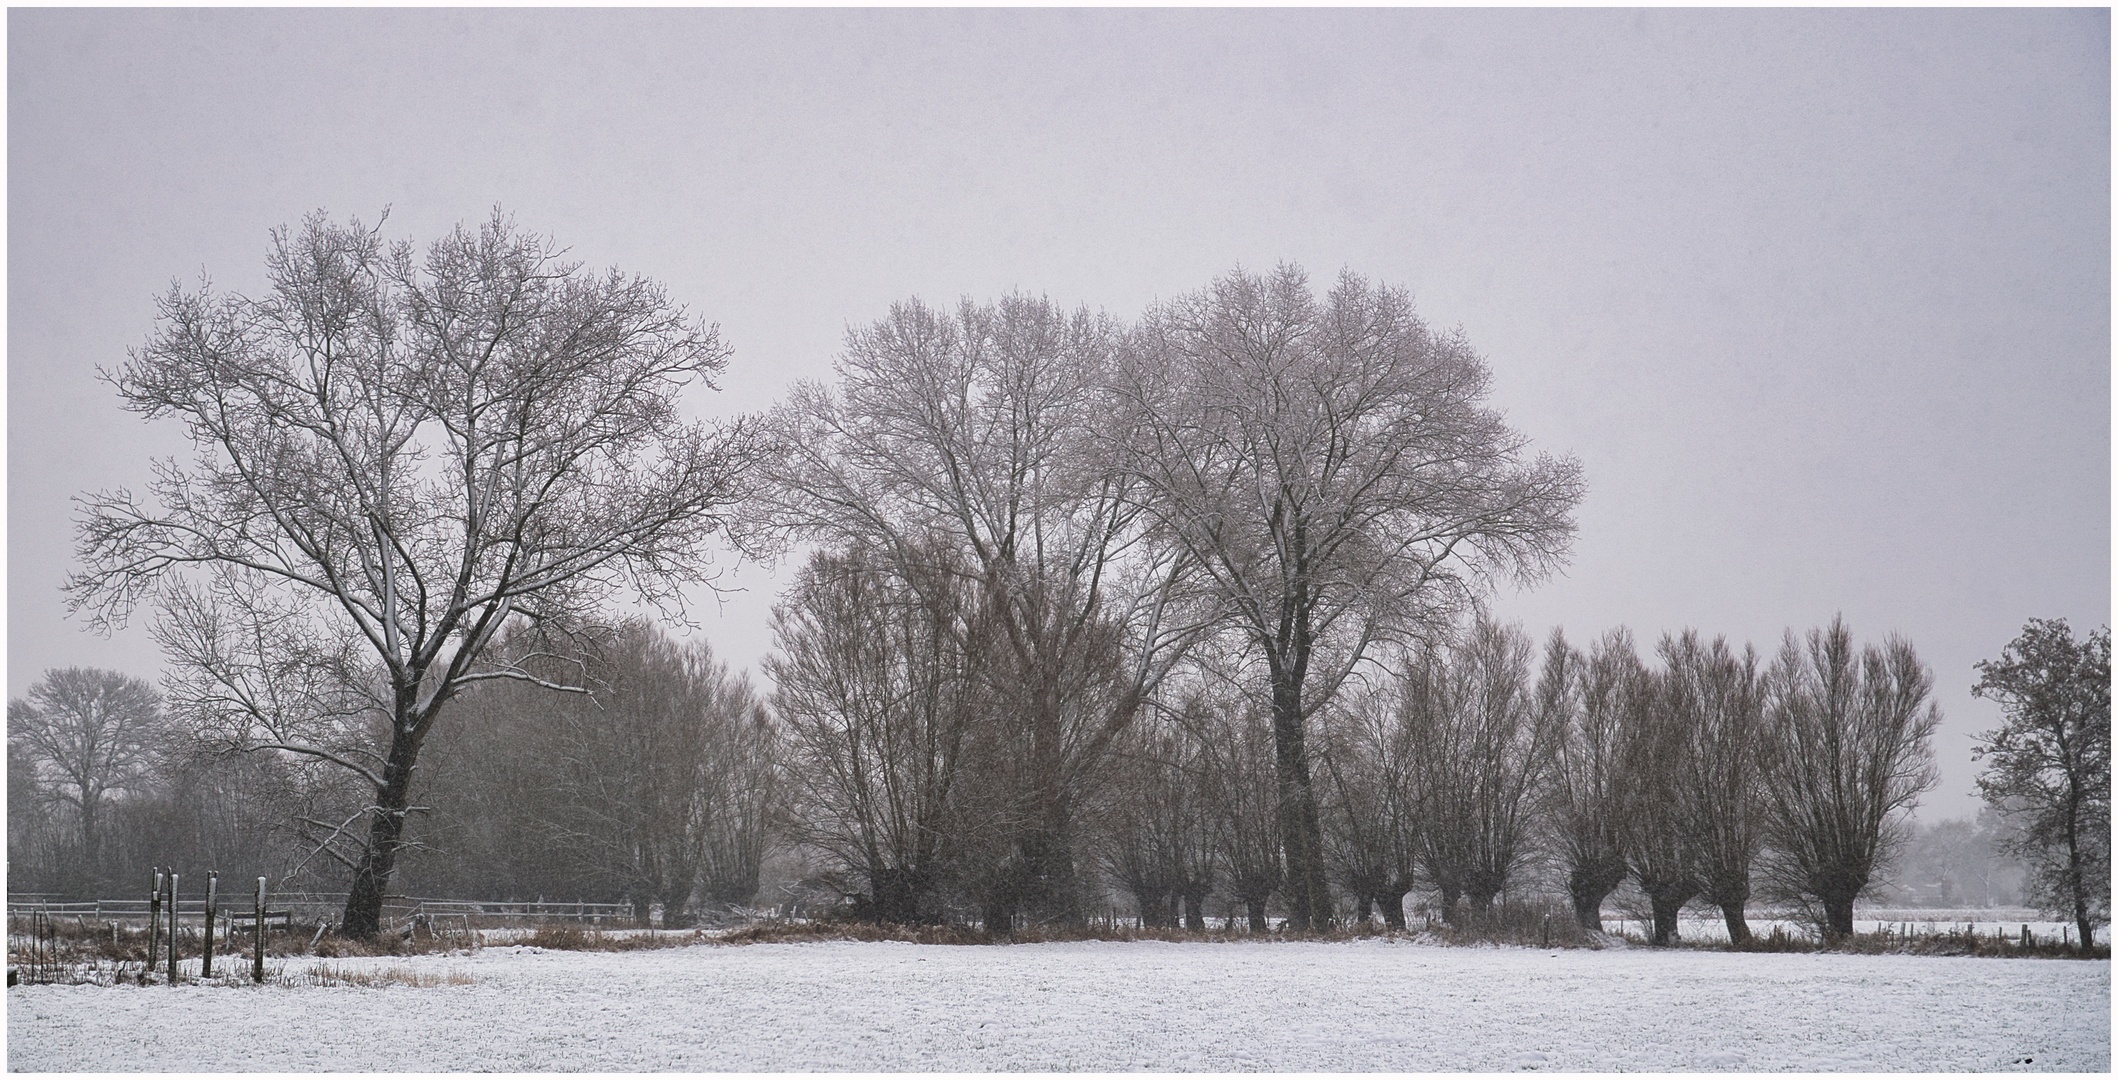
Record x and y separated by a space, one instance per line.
1959 862
1590 782
982 429
1483 745
2049 763
878 692
1374 834
1332 469
1661 844
1719 705
1847 753
737 804
1234 737
406 453
1158 827
664 772
85 736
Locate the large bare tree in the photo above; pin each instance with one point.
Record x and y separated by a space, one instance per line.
1847 752
1332 468
397 453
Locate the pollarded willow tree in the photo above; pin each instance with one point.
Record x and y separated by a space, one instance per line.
396 456
1371 765
1847 750
1600 697
1718 701
1332 468
1483 738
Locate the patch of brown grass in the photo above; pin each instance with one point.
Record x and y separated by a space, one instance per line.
947 934
574 938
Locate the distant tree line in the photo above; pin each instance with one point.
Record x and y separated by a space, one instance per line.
656 787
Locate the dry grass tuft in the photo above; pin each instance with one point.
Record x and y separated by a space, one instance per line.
327 975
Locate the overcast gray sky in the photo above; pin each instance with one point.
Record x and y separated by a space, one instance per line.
1821 299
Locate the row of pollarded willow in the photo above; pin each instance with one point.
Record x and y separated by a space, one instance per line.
1316 476
400 454
1689 779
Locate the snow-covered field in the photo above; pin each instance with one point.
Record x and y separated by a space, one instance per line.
1373 1004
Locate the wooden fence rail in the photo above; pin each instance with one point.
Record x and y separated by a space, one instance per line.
318 907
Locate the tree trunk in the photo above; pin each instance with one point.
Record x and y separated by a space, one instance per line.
1393 905
92 840
1838 916
1051 890
1588 886
371 876
1666 906
2077 881
1363 907
1151 904
676 906
1666 897
1308 898
1738 927
1450 913
897 897
999 916
1195 911
1254 906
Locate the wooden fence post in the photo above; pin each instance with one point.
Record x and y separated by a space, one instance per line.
172 928
213 882
257 965
154 921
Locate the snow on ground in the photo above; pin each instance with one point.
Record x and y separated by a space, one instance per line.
1373 1004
